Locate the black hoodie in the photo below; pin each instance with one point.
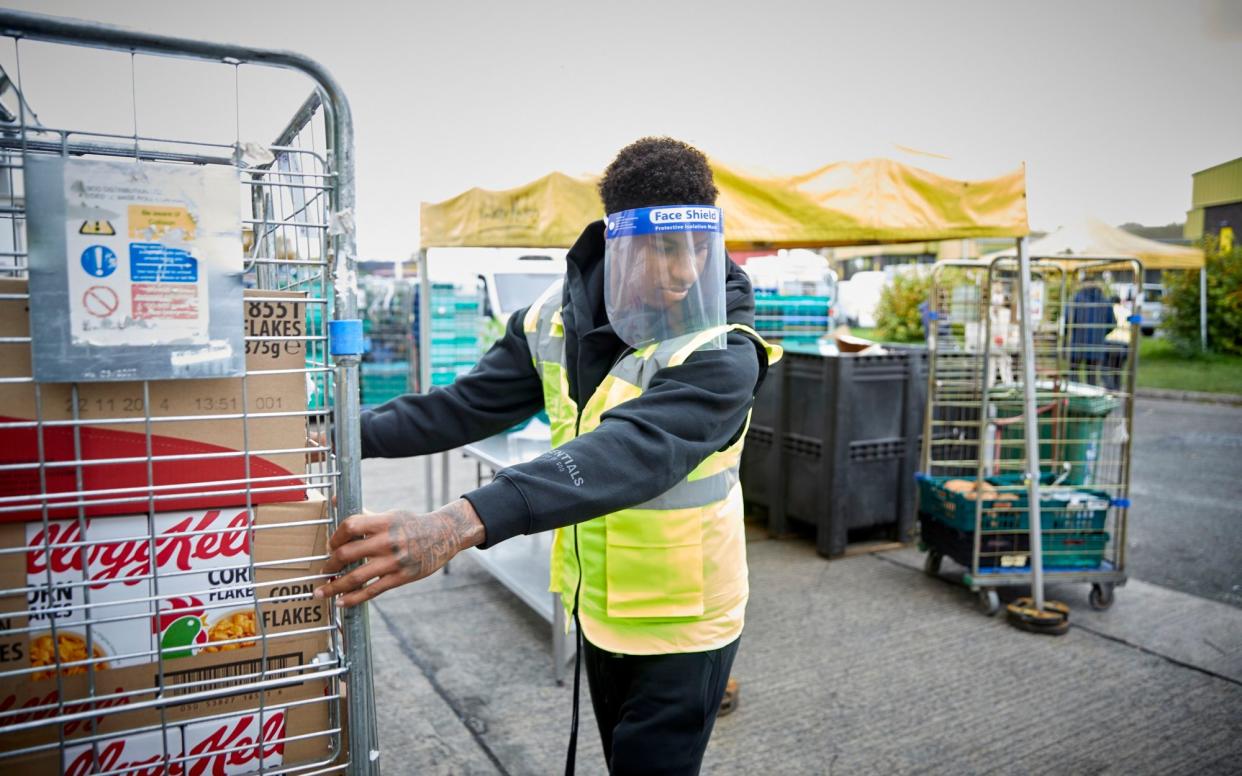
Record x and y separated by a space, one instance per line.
640 449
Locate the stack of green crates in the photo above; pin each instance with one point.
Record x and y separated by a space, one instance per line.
384 372
457 343
456 332
382 381
319 384
1072 519
779 316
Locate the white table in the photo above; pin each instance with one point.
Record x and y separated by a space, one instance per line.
522 563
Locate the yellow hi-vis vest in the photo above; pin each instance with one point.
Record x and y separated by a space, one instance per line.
665 576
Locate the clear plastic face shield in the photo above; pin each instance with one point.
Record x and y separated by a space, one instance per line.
664 270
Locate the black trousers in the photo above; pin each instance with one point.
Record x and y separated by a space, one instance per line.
656 712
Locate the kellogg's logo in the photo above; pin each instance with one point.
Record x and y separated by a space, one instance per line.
221 748
117 757
234 745
129 561
46 707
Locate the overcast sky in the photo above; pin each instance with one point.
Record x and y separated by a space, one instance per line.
1111 105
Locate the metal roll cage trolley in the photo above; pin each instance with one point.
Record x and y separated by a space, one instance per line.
302 242
1051 382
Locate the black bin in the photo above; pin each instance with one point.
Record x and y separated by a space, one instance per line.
760 456
841 451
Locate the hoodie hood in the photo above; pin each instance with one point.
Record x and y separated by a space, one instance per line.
591 345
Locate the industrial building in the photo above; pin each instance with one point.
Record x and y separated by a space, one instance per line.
1216 203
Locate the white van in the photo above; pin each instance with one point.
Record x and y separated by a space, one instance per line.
1151 307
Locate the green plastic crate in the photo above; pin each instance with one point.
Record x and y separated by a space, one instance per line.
1061 508
1076 550
1010 552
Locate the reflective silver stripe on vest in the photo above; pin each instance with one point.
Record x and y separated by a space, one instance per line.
694 493
546 346
640 371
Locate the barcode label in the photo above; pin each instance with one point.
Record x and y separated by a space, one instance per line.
239 674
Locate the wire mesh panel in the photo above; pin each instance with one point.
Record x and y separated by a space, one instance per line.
160 539
973 499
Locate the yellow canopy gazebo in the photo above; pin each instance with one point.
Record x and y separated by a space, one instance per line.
1091 238
844 203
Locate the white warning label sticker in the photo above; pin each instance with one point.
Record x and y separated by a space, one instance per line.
138 236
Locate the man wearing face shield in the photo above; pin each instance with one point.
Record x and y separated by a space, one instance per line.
644 359
664 273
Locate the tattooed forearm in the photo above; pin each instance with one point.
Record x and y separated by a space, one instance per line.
424 543
467 523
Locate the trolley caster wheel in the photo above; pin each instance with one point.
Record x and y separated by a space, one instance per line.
989 602
1101 596
931 564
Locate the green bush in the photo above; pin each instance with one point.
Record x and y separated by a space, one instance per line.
1224 303
897 316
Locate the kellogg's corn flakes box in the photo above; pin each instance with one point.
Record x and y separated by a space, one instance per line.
122 591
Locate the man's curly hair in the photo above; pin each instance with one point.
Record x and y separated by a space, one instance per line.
657 171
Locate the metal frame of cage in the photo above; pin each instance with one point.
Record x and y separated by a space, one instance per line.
966 436
303 239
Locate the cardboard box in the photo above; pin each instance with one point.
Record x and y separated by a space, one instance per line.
202 600
223 735
180 484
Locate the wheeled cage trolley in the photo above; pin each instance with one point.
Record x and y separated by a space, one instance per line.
160 539
974 499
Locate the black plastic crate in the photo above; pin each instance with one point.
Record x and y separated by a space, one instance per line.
862 491
849 430
760 456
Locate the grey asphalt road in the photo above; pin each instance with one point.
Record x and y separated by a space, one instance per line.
1186 488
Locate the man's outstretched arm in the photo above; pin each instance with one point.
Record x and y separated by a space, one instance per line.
641 449
502 390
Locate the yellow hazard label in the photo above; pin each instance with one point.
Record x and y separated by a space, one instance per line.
97 227
159 222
